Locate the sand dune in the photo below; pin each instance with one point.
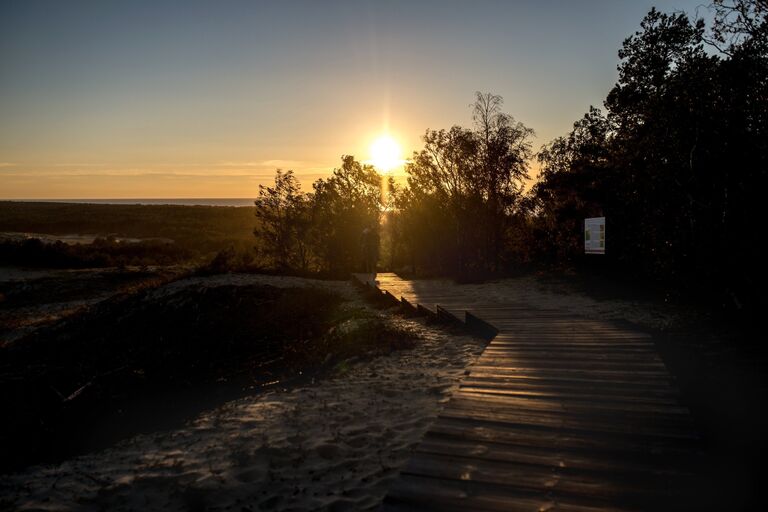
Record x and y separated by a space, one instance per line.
335 444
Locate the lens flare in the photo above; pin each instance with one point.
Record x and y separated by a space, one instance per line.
386 154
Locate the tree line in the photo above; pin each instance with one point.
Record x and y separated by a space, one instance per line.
675 161
319 231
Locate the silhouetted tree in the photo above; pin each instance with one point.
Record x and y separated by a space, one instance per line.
571 186
738 23
678 164
504 152
342 206
442 184
462 189
282 223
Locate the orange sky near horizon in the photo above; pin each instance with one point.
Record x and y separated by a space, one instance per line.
200 100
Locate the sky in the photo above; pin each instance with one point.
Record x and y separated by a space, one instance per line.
164 99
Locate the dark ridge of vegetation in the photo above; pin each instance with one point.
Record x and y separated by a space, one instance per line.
138 362
197 231
103 252
676 164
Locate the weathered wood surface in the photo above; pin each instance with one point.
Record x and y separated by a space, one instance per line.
559 413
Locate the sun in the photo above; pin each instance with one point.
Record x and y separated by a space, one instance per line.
386 154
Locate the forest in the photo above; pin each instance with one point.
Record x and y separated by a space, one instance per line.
164 234
675 161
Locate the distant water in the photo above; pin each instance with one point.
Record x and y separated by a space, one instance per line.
184 201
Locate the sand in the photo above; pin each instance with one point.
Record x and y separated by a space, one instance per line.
59 294
335 444
600 299
564 295
338 443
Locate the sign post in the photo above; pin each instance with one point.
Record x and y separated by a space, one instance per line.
594 235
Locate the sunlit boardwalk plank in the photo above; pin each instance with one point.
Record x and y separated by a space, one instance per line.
559 413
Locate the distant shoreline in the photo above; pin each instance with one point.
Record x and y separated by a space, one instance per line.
182 201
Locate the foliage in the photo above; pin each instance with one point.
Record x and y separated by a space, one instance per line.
463 189
342 207
678 162
103 252
226 261
197 232
740 25
283 222
569 188
319 231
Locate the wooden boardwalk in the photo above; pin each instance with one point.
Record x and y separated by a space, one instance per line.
559 413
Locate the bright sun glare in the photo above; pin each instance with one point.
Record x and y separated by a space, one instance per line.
386 154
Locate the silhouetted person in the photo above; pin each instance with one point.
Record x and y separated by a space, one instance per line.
369 242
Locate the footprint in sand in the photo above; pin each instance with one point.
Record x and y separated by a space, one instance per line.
357 441
389 393
270 503
328 451
250 475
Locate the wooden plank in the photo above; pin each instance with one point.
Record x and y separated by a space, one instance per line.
495 353
584 382
565 385
523 384
571 406
510 325
643 488
538 381
621 350
426 494
585 374
566 394
565 422
597 350
605 465
540 340
630 447
638 415
556 334
629 365
558 346
544 334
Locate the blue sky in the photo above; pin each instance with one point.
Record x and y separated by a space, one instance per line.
206 99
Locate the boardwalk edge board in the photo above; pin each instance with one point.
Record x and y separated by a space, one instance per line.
391 298
445 316
472 324
480 326
407 307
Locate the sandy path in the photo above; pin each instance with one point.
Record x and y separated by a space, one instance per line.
565 295
334 445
